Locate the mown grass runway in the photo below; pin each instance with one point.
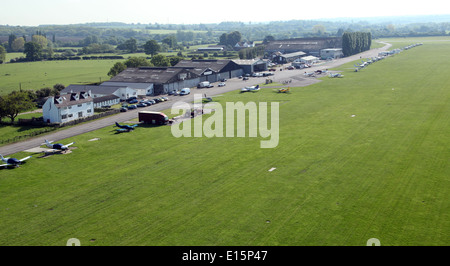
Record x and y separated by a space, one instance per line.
361 157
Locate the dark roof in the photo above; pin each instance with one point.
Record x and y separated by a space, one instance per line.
72 99
200 66
93 88
159 75
304 44
105 98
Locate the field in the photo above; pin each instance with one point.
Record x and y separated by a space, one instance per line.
37 75
361 157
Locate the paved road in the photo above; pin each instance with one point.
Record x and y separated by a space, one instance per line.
297 77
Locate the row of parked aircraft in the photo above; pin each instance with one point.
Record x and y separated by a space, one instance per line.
14 162
54 147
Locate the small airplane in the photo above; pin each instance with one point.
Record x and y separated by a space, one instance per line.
12 161
336 75
361 65
284 90
311 74
125 128
57 146
252 89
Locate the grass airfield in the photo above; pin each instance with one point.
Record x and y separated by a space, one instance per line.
364 156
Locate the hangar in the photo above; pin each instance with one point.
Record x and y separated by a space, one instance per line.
210 70
160 79
311 46
250 66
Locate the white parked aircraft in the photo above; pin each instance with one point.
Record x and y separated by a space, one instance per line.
12 161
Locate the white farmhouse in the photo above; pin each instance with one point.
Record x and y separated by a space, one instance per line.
68 107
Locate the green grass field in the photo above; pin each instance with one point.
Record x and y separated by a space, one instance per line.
339 180
37 75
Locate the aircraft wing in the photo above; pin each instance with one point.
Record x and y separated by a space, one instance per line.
26 158
3 165
70 144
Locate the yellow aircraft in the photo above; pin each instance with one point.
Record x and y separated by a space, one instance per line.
284 90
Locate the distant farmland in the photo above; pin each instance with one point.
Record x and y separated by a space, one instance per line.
37 75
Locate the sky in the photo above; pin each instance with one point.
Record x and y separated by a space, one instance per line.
34 13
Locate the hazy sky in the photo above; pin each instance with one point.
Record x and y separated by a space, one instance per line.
36 12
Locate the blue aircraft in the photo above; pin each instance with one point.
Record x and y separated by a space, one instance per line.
57 146
12 161
125 128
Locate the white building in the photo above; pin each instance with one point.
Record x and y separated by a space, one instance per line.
68 107
104 101
309 59
332 53
242 45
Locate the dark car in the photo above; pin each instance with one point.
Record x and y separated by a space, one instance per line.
133 106
141 105
133 101
123 109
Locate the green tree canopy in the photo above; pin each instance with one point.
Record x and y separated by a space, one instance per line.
136 61
152 47
160 60
129 45
2 54
230 38
116 69
17 102
170 40
33 51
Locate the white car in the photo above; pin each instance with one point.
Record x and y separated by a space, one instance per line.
221 84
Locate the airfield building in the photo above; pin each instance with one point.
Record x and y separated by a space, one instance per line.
310 46
68 107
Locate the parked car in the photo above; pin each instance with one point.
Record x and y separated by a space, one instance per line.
133 101
221 84
185 91
165 98
141 105
123 109
132 106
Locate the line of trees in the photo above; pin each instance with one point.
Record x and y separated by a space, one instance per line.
356 42
253 52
